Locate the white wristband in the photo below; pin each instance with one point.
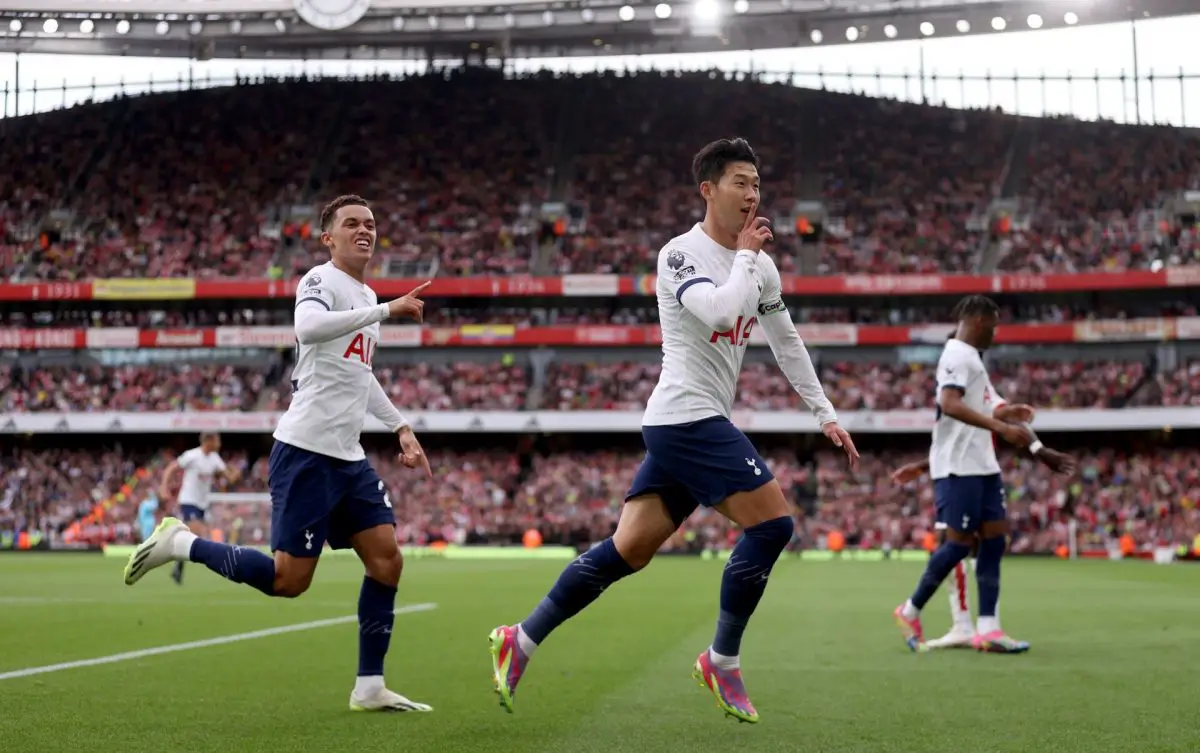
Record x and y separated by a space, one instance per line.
1036 446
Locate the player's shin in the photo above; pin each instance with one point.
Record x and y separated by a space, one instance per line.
236 563
579 585
987 577
376 616
949 554
743 582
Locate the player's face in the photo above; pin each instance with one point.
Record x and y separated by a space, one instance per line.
735 194
351 238
212 444
986 326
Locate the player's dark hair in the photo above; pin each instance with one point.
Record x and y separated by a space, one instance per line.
710 162
975 305
331 209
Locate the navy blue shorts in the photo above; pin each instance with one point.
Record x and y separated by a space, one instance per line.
317 499
697 463
190 512
964 503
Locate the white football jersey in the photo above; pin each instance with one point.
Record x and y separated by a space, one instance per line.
199 467
332 380
700 366
960 449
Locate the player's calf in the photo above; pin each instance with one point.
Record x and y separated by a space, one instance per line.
171 541
381 559
743 582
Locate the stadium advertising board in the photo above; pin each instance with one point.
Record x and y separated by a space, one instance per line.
765 422
490 335
603 285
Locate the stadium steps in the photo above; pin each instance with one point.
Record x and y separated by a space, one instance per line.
566 142
322 165
1016 162
120 112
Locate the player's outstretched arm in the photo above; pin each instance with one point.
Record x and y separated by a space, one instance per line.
910 472
316 322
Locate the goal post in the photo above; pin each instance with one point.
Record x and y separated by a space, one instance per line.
242 518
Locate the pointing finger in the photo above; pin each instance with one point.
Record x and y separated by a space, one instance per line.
751 217
417 290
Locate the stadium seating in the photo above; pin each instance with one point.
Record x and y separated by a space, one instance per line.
485 496
191 192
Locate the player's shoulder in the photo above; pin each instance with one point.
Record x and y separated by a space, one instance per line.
958 353
319 284
767 266
683 253
316 277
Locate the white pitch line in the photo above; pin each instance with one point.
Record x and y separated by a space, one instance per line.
219 641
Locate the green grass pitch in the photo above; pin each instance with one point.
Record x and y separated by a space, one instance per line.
1113 665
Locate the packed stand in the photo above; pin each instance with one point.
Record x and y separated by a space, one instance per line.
89 389
1088 184
190 191
496 495
462 385
455 166
904 177
458 165
627 385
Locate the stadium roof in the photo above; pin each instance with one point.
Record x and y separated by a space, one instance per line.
420 29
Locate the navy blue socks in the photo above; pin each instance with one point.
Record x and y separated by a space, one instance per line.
745 579
376 616
949 554
580 584
987 574
236 563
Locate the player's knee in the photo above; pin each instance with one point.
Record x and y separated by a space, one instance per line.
637 552
966 538
291 580
385 567
777 531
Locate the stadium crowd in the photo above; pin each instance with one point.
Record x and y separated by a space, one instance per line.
459 163
626 385
572 497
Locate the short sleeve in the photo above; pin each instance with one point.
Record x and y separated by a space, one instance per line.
185 460
680 269
770 300
994 395
219 463
955 369
313 288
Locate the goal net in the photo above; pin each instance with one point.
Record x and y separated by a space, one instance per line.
240 518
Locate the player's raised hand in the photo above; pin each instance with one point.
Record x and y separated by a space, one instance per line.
411 454
755 232
841 438
906 473
410 304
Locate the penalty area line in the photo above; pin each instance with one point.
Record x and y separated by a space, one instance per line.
218 641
